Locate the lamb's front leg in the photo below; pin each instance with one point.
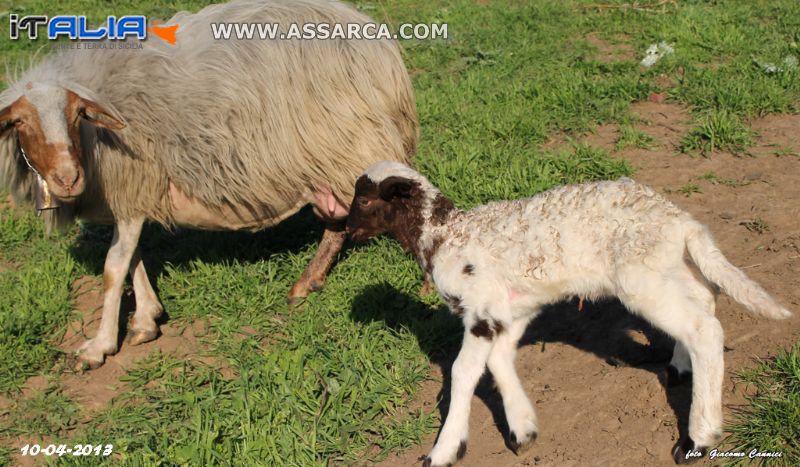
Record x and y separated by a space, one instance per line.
522 424
126 236
467 370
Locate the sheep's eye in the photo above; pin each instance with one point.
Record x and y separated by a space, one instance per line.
363 202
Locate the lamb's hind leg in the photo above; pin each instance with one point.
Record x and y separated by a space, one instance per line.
126 236
143 327
520 414
313 278
679 369
680 310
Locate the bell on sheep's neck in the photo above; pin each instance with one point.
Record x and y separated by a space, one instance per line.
43 199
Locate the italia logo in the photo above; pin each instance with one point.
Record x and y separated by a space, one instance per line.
77 27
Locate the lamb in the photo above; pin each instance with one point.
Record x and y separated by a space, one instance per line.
209 134
498 264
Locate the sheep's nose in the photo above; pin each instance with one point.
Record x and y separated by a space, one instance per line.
67 178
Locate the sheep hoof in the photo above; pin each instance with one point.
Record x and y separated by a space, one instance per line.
675 377
295 302
521 444
686 452
140 336
85 364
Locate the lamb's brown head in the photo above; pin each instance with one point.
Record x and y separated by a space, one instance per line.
46 120
389 197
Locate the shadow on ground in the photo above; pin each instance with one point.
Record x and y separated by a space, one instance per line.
160 246
602 328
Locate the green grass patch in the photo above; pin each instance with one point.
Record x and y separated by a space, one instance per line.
36 272
718 130
630 136
771 419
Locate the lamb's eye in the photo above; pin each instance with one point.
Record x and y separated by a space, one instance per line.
363 202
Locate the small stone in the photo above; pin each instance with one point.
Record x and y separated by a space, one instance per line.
726 215
752 176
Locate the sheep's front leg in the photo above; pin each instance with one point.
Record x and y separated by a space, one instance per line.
520 414
313 278
467 370
126 236
143 327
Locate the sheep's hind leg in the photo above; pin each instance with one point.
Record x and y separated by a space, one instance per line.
126 236
143 327
313 278
523 427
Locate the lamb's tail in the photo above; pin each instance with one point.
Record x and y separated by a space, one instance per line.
717 269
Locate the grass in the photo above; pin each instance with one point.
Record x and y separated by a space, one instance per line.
35 305
712 178
689 189
718 130
630 136
334 381
756 225
771 419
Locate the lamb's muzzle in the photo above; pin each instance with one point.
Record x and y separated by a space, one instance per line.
498 264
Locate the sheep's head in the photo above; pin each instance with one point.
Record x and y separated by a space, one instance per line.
389 197
47 119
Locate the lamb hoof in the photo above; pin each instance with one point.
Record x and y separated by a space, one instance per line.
426 289
521 444
316 286
676 378
140 336
462 449
427 463
686 452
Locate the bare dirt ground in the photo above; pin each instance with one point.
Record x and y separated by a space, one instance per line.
596 376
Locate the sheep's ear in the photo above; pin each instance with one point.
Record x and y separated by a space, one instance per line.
7 120
96 114
392 187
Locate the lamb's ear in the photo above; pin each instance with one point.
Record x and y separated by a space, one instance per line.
7 120
96 114
392 187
